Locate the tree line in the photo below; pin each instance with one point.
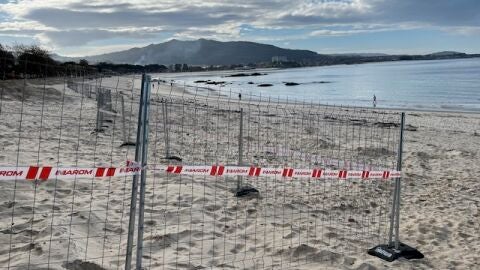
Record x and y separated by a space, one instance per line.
32 61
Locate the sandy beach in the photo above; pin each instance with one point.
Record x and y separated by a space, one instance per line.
192 221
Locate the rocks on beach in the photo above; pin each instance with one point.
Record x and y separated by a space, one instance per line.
210 82
246 74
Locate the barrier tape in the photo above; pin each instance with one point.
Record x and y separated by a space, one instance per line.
278 172
32 173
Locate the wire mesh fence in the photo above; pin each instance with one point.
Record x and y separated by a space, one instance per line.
78 120
51 121
197 221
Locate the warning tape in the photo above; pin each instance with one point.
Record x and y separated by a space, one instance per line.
32 173
278 172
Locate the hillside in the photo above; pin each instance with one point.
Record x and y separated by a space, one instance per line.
203 52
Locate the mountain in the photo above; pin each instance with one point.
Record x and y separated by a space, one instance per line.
359 54
203 52
446 53
60 58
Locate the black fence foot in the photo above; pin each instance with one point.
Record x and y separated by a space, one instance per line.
127 144
390 254
247 192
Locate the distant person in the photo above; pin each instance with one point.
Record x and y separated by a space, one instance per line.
374 101
239 96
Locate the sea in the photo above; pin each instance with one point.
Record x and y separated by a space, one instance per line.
444 85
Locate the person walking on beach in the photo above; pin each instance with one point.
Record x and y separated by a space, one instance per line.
374 101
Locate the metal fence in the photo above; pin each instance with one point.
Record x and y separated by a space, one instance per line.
185 221
203 221
63 223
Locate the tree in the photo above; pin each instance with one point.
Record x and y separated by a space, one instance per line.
34 61
155 68
7 63
178 67
83 62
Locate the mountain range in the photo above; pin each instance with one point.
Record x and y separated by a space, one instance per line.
211 52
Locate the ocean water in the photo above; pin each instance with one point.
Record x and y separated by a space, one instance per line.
429 85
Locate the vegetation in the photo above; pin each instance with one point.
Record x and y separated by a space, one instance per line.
22 61
7 62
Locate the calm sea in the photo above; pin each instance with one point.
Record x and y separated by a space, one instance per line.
429 85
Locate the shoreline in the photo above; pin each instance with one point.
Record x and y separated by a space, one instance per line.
183 90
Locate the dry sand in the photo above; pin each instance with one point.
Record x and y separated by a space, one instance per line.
86 220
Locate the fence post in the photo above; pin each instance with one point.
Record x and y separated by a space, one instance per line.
143 176
240 149
165 128
394 249
124 129
395 215
99 108
398 185
106 99
133 197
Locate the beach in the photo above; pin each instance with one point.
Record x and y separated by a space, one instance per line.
440 208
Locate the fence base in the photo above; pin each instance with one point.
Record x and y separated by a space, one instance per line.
247 191
390 254
128 144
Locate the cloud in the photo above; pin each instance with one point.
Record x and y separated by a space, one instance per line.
57 18
362 29
70 23
83 37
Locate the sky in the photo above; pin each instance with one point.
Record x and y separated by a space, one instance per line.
80 28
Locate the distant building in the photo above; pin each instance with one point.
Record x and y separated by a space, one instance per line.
278 59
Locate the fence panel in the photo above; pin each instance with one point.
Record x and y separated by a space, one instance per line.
52 221
195 221
61 129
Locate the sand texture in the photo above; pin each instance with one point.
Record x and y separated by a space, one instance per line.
197 222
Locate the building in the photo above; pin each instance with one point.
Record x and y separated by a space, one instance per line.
278 59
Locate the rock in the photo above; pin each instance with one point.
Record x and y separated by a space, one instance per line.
238 75
246 74
291 84
215 83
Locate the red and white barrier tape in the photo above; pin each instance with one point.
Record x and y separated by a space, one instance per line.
278 172
44 173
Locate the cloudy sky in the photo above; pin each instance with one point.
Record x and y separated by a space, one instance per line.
77 28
